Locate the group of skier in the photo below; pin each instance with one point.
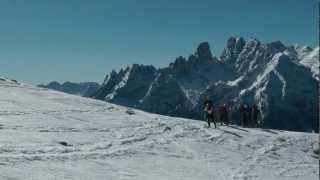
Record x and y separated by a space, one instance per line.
248 115
210 115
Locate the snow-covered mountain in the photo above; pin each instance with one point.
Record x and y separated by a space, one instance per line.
281 80
46 134
85 89
310 58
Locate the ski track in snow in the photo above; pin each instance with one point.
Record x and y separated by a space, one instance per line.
103 141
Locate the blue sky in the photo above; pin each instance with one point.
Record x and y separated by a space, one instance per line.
83 40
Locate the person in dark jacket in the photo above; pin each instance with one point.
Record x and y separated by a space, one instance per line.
209 112
247 115
254 115
242 114
223 114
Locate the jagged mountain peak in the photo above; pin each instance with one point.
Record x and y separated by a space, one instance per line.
238 47
235 41
203 51
252 43
276 46
200 60
233 48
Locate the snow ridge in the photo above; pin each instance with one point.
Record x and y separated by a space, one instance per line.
311 60
122 83
284 83
271 67
235 82
150 88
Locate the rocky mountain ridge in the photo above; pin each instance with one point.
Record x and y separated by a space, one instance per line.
280 79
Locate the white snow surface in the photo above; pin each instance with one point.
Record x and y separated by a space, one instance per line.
235 82
105 142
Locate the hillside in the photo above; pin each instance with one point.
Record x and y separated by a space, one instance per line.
45 134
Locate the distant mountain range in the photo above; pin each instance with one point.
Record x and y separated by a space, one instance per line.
85 89
282 80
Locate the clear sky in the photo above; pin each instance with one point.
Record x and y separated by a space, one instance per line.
83 40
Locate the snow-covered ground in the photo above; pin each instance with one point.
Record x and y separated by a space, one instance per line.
51 135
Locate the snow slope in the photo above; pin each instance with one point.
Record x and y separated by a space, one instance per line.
46 134
310 59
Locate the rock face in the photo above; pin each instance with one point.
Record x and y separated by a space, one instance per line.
281 80
129 86
204 52
310 58
232 50
85 89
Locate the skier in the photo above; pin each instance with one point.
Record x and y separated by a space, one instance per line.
242 114
209 112
247 115
223 113
254 115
